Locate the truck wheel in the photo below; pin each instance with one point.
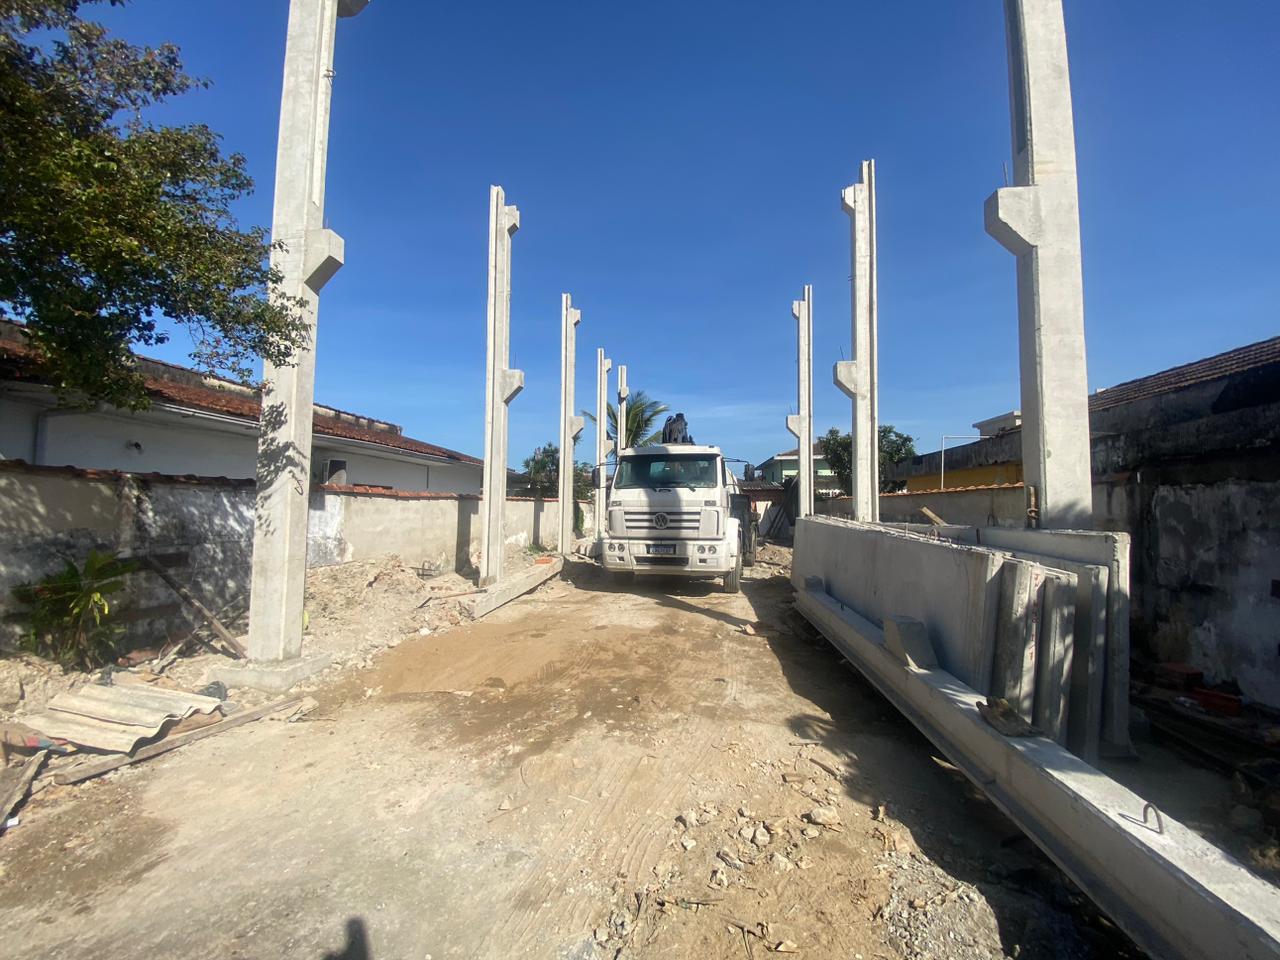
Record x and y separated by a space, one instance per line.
733 579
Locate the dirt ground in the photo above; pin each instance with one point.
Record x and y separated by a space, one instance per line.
590 772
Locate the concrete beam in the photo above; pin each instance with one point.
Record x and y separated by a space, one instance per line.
570 424
502 384
1037 219
516 586
801 424
308 256
1174 893
857 378
604 446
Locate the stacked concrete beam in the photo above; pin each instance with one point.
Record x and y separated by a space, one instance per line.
502 383
801 424
309 257
570 424
603 366
856 378
623 393
1038 220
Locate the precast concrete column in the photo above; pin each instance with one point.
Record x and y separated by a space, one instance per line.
1038 220
570 424
603 366
623 392
309 256
801 424
502 384
856 378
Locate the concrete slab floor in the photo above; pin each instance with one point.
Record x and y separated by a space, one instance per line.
512 788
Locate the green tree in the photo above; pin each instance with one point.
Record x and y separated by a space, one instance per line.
543 470
643 414
895 447
837 450
109 223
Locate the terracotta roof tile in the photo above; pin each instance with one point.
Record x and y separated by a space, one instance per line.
237 404
1259 354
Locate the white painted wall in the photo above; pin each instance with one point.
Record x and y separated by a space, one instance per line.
457 477
17 429
179 446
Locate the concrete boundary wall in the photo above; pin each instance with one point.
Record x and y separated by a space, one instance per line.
201 530
1174 893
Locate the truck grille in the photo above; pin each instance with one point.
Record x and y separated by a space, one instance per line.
662 521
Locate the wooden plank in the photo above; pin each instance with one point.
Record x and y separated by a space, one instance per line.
214 623
14 784
97 768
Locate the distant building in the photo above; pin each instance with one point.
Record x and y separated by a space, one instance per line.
203 425
782 466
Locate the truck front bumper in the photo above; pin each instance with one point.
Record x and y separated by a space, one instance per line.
686 558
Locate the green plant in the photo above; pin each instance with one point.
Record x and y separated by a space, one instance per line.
70 611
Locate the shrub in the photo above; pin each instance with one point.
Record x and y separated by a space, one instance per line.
69 611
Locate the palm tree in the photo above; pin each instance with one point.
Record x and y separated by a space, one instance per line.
643 414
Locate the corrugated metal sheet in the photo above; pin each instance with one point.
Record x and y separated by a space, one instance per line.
116 718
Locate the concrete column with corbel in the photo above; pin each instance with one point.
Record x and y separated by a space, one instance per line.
604 445
623 393
502 384
801 424
308 256
856 378
1038 220
570 423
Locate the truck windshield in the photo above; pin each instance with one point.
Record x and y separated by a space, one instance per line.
663 470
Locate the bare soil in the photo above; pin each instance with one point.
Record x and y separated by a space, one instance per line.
592 771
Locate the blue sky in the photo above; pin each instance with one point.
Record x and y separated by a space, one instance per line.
678 169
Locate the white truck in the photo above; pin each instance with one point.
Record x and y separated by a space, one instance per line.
675 510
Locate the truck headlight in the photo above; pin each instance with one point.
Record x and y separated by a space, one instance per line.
711 549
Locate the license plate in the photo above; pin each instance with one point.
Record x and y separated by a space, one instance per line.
662 549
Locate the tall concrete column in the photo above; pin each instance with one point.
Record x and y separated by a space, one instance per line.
603 366
570 424
801 424
502 384
857 377
310 257
1038 220
623 392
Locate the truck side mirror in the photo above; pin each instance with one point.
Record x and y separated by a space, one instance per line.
595 477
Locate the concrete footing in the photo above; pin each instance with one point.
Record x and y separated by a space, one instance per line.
273 676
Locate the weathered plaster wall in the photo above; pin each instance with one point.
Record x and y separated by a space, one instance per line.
991 507
202 531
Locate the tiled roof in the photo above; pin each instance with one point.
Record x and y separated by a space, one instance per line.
981 486
749 485
817 452
1259 354
241 403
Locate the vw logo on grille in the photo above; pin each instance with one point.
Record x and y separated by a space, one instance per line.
660 521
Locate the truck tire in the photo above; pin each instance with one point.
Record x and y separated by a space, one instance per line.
733 579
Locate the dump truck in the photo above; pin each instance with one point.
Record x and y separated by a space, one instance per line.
674 509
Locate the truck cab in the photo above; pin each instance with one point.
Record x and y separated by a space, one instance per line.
675 510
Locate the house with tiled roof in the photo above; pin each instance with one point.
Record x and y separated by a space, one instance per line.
202 425
784 465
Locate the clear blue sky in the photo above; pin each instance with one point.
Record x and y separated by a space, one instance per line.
678 168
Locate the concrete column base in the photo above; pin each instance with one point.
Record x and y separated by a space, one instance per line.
273 676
